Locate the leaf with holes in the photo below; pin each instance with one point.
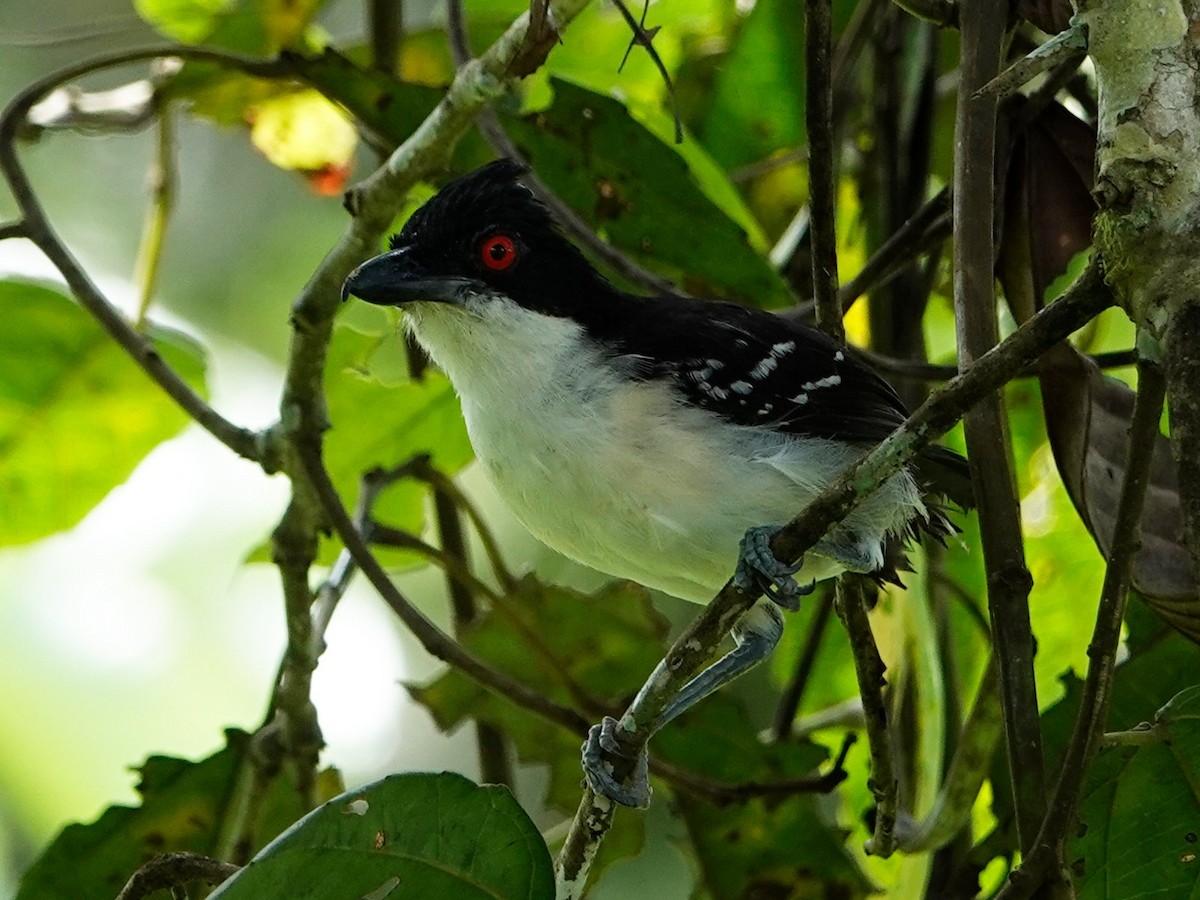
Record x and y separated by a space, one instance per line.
183 808
407 837
1138 830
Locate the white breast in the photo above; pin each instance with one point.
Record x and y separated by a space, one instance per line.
620 474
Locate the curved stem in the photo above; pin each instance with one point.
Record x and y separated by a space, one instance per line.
36 227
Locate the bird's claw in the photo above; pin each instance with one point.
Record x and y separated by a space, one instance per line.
758 567
603 742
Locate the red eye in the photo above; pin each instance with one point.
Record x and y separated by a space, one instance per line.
498 252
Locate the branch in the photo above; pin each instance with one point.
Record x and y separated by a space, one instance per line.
822 187
1009 582
36 227
869 671
171 869
12 230
695 647
789 701
1102 651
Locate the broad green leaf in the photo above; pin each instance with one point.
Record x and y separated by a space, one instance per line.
1139 818
637 191
381 423
1162 665
183 808
76 414
759 101
407 837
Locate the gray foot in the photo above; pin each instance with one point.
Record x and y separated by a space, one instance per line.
758 568
601 746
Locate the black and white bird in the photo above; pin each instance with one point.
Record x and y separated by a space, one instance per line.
662 439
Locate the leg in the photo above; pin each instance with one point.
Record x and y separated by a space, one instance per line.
757 633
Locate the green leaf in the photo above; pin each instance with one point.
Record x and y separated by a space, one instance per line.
76 414
377 422
1139 818
758 105
639 192
407 836
767 846
183 806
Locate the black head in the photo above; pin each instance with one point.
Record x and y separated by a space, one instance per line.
484 233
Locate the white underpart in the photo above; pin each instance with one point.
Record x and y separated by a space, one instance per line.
623 475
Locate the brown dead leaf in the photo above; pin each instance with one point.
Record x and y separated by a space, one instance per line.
1087 418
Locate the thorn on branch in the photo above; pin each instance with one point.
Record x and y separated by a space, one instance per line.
644 37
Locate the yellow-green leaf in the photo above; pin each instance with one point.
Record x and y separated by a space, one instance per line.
76 414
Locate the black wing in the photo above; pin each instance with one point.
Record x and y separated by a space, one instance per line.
756 368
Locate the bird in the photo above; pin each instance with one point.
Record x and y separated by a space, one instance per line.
662 439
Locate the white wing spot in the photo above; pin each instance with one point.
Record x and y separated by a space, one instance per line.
714 364
827 381
764 368
839 356
766 409
784 347
720 393
800 399
741 387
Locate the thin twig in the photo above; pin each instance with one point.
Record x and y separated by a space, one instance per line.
925 228
1009 581
36 227
12 230
789 701
1102 651
494 765
718 792
968 770
911 368
943 13
170 870
385 27
439 481
644 37
869 670
822 186
162 203
695 646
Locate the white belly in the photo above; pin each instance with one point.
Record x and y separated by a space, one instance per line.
623 477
